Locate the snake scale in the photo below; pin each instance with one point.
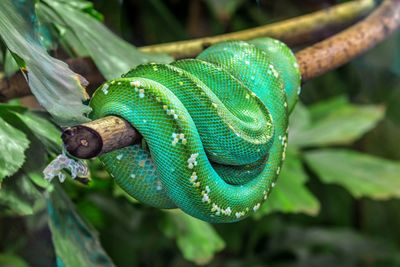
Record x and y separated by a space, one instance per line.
214 128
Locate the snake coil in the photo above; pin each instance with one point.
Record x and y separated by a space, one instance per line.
214 128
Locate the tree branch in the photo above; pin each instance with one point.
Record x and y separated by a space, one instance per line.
295 31
313 61
300 30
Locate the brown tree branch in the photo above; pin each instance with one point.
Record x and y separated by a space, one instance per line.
300 30
295 31
350 43
313 61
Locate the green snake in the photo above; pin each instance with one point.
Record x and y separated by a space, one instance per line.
214 128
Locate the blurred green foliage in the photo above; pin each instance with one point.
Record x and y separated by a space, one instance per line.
336 200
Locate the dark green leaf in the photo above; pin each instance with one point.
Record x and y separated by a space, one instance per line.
290 194
363 175
8 260
19 196
196 239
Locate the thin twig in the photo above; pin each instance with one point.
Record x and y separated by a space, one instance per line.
313 61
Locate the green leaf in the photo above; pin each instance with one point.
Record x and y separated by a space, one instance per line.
299 120
76 243
112 55
51 81
290 195
13 144
48 134
337 124
19 196
8 260
10 66
363 175
196 239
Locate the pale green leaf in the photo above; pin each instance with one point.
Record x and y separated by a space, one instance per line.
51 81
196 239
363 175
338 125
13 144
75 242
290 195
112 55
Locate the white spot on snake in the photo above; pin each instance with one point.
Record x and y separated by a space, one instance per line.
273 184
194 177
298 90
295 65
208 189
180 83
278 170
228 211
205 198
159 185
214 105
105 88
192 160
247 62
252 78
144 121
141 93
247 96
133 176
239 214
135 83
119 83
119 157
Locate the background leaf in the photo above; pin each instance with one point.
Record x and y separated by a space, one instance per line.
363 175
51 81
197 240
290 195
111 54
13 144
75 242
337 123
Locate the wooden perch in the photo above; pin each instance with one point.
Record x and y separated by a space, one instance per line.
296 31
112 132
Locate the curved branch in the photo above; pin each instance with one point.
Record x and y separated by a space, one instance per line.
313 61
300 30
350 43
295 31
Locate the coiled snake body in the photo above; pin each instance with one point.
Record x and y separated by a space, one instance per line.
215 128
